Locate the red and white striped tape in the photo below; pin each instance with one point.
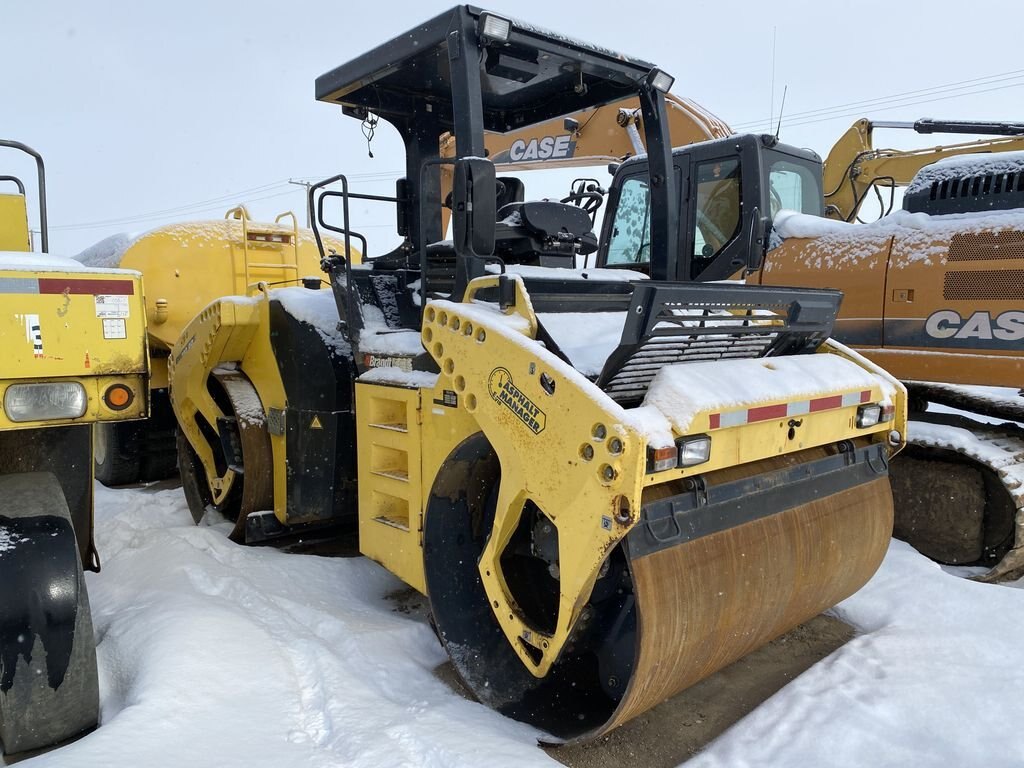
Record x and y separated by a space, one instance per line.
787 410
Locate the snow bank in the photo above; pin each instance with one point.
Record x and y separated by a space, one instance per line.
932 680
213 654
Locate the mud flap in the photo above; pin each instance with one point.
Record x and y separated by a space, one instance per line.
48 682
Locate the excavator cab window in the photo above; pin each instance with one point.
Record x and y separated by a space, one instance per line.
630 241
718 215
793 187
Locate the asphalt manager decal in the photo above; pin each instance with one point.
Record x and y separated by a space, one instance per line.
502 390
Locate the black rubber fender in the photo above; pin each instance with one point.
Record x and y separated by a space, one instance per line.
49 690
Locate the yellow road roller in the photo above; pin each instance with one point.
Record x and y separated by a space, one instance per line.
74 355
608 485
187 265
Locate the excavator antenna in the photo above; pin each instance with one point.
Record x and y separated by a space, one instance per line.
782 106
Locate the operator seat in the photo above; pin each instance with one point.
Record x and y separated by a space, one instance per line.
545 233
508 189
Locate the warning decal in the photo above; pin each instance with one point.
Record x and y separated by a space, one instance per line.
34 333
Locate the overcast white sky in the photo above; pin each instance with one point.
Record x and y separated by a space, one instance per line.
154 112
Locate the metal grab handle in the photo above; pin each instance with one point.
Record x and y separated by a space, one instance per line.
666 539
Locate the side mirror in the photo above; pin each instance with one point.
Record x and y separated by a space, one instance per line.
402 212
474 206
757 245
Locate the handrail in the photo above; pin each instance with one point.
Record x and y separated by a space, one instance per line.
17 181
41 175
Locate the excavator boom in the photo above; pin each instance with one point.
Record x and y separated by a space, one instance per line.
854 167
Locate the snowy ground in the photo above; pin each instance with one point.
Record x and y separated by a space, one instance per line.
212 654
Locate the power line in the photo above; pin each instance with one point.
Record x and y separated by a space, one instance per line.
859 112
970 86
214 203
960 85
199 205
215 207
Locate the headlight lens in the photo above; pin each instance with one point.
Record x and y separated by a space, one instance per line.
41 402
694 450
868 415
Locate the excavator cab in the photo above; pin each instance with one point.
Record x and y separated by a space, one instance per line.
731 190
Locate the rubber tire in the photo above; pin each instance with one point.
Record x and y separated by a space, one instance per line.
117 454
35 716
159 459
127 452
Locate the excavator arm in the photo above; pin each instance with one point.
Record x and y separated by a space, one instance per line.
854 167
606 134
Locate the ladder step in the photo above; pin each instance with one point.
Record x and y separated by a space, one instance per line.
390 427
402 525
394 474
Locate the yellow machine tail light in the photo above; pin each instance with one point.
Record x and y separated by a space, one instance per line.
45 401
685 452
118 397
660 459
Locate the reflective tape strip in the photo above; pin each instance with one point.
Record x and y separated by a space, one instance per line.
19 285
787 410
88 287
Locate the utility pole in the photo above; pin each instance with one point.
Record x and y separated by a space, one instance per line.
309 203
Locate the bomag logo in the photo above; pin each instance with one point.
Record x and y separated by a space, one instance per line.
502 390
543 148
948 324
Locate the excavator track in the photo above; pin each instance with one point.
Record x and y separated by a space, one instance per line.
991 457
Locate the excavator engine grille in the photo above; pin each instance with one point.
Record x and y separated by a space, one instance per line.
987 246
669 324
984 285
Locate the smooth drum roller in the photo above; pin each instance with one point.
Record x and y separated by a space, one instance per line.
680 598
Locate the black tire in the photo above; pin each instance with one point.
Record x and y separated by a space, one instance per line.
49 691
127 452
117 457
159 454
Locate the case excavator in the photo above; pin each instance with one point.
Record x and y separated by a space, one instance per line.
74 344
934 293
595 527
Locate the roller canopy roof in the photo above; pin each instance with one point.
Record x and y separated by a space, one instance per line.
534 76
